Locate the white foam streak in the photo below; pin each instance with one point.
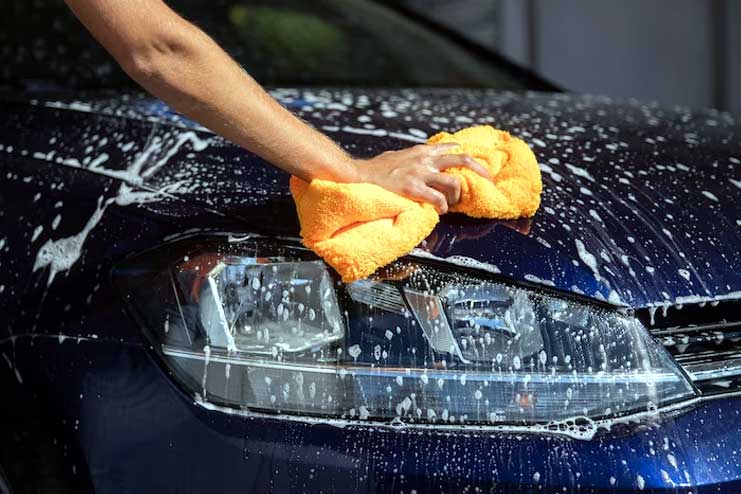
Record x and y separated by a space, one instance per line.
61 254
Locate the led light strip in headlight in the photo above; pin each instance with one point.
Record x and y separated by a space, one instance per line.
266 327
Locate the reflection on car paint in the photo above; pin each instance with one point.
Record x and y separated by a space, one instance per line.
603 186
639 209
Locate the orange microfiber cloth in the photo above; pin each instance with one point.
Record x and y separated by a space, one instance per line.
357 228
515 187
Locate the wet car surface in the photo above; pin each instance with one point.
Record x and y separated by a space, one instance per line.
639 215
634 195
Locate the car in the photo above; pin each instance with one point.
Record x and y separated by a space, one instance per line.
166 331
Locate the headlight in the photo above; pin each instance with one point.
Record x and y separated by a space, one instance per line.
267 327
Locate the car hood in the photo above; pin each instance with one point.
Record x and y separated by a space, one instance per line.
640 203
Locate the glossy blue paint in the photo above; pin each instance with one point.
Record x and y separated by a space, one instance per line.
649 193
134 431
78 366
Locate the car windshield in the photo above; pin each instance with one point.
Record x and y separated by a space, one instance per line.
280 42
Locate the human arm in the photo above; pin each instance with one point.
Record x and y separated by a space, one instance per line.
181 65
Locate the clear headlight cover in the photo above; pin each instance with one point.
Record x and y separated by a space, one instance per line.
279 333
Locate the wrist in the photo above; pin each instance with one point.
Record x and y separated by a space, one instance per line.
353 171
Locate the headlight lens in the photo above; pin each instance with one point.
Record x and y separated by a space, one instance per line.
279 333
260 306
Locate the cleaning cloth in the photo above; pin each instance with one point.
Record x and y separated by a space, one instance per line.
357 228
514 189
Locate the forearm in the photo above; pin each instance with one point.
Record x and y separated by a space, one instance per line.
202 82
182 66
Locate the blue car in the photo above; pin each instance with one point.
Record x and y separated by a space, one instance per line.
164 329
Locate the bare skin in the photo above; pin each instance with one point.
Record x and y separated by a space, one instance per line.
181 65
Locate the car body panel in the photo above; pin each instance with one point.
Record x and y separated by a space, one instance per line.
639 204
94 181
128 428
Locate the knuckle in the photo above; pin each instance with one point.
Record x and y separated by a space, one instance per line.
412 188
445 182
426 161
453 182
413 173
407 188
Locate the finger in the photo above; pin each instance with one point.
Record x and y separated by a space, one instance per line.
449 185
439 152
432 149
434 197
442 148
444 162
420 149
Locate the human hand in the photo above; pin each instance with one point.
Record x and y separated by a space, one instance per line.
415 173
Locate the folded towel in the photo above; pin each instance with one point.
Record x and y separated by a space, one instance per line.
515 187
357 228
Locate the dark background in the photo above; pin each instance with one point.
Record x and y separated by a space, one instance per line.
684 52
